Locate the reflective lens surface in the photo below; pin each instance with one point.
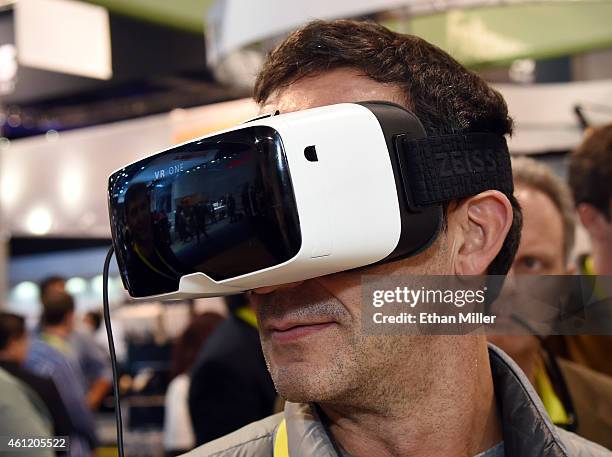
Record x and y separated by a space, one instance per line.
223 206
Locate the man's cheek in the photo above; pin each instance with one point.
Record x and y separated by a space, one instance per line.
345 288
256 301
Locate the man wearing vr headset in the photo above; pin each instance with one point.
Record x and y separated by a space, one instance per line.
355 395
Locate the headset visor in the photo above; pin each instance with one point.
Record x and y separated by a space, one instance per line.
223 206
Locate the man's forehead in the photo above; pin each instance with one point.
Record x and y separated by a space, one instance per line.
336 86
529 194
538 210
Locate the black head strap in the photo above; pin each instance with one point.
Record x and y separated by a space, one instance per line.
450 167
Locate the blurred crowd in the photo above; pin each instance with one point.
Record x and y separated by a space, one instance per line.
54 378
572 373
59 367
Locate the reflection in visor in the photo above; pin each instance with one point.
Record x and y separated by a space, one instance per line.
223 206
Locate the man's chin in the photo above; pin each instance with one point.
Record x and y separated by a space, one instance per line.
303 382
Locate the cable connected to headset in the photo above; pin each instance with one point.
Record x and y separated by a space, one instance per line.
111 347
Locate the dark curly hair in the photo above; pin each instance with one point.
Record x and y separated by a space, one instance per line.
446 97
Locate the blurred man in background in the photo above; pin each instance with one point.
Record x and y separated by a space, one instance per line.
178 430
51 355
92 321
91 357
590 178
573 395
22 414
230 384
51 285
14 345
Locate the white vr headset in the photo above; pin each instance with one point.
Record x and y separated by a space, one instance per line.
289 197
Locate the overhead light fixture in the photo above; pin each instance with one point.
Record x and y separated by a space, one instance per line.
8 68
523 71
239 34
39 221
76 286
25 291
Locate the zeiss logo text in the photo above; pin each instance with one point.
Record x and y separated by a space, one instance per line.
168 171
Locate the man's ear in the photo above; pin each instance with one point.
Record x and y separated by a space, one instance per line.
70 319
592 219
481 225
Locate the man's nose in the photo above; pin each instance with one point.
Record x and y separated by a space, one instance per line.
270 289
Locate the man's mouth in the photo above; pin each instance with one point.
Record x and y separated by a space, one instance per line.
286 332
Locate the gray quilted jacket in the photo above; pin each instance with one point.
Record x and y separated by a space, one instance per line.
527 429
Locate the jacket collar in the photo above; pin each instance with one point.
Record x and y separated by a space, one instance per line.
526 427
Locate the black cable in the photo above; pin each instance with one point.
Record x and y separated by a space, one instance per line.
111 347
